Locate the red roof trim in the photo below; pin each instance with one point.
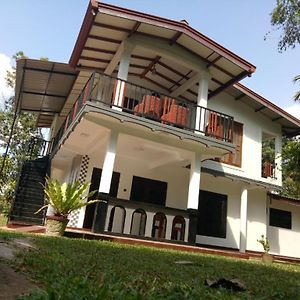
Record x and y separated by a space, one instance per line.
266 102
88 20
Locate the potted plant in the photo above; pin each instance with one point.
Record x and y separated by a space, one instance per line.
266 257
63 199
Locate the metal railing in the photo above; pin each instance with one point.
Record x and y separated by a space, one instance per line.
145 103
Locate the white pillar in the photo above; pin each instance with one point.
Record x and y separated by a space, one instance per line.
202 101
122 74
108 164
278 150
194 184
243 220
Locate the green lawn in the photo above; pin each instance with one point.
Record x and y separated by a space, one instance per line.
80 269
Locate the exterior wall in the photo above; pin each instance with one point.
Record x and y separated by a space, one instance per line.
285 241
256 225
254 124
176 177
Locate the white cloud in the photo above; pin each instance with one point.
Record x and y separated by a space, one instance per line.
294 110
5 65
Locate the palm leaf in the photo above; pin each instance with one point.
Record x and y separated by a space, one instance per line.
66 197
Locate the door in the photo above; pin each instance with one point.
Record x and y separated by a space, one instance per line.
95 182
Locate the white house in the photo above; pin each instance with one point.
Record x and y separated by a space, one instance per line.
151 111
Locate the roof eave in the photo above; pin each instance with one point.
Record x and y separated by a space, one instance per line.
153 20
88 20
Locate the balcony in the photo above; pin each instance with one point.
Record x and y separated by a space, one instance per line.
145 104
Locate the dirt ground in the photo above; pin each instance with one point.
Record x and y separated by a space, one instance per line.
12 283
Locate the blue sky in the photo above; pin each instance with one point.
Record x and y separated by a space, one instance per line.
50 28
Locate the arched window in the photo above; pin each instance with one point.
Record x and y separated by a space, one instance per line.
138 222
159 226
117 219
178 228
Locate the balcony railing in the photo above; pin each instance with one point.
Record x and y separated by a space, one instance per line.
120 95
140 219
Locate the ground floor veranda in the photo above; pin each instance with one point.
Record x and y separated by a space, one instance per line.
155 189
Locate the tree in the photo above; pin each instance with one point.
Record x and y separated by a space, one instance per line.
291 168
20 139
286 18
297 95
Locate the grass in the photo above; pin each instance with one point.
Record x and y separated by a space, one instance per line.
80 269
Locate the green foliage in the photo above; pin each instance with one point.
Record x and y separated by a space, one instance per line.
66 197
268 150
291 168
297 95
286 18
82 269
265 243
25 133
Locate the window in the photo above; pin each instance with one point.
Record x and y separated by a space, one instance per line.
280 218
212 214
148 190
235 159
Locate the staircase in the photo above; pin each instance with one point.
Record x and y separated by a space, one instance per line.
30 192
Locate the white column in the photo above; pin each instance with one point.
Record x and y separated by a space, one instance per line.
278 150
202 100
122 74
243 220
194 184
108 164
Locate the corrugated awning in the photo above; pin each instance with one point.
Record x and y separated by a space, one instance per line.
42 88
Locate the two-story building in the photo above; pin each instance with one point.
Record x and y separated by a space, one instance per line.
151 111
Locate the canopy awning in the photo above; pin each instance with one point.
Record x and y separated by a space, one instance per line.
42 87
290 125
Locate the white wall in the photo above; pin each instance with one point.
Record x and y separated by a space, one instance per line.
257 216
233 191
177 178
285 241
254 125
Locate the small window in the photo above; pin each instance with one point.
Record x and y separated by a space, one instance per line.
280 218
